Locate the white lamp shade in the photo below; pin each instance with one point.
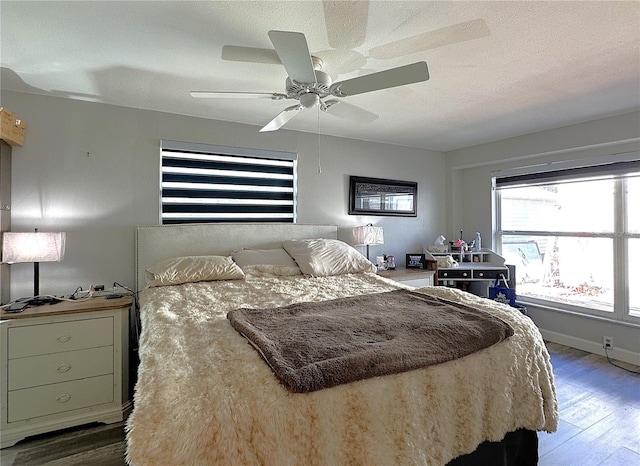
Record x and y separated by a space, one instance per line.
367 235
33 247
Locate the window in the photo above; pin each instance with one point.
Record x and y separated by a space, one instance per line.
201 183
574 236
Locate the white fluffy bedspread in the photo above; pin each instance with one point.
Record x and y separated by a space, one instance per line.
204 396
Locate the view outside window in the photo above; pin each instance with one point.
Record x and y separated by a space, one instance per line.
633 259
564 207
634 276
562 238
565 269
633 205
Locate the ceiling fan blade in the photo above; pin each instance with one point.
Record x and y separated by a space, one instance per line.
294 54
237 95
454 34
348 111
346 23
249 54
393 77
282 118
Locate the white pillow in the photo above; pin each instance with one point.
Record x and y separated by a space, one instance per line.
279 257
324 257
266 270
192 269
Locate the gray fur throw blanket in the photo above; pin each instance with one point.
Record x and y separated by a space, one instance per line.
315 345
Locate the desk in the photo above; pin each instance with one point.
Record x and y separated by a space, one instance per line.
488 267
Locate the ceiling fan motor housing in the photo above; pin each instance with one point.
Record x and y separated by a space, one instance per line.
320 87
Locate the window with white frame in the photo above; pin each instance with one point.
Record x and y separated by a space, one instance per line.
202 183
574 235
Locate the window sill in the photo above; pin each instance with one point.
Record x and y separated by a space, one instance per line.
613 319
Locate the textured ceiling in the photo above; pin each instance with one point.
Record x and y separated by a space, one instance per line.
498 69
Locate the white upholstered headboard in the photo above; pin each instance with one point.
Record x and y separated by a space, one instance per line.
156 243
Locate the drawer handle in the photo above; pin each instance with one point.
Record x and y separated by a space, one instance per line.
65 337
445 274
63 398
481 274
66 367
464 274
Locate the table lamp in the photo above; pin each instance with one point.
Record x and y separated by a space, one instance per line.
367 235
33 247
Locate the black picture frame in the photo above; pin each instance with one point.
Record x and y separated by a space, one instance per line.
379 196
415 261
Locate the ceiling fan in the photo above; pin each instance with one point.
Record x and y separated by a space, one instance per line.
312 87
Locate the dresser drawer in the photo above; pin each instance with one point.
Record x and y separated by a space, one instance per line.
34 340
418 282
60 397
450 274
490 274
59 367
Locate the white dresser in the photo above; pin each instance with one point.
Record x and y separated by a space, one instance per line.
63 365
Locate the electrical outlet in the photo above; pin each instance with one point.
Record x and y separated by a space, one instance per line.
607 342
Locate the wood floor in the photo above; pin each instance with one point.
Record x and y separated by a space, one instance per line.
599 407
94 445
599 423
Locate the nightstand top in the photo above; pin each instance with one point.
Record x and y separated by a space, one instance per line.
409 274
97 303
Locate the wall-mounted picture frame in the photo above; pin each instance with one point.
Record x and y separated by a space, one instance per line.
379 196
416 261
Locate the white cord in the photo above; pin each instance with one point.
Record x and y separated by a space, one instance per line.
60 298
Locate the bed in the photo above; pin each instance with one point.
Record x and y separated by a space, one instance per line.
205 396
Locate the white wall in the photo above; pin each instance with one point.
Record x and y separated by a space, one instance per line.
469 206
98 198
92 170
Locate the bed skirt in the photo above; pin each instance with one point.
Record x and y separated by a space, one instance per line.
518 448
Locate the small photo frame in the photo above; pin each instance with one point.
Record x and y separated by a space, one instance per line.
415 261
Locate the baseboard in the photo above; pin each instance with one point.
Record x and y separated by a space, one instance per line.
618 354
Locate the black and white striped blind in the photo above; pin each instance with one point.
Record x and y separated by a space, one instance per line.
202 183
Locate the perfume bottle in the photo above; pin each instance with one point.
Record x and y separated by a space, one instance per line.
478 242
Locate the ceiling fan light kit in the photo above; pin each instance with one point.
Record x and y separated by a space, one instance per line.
307 84
309 100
